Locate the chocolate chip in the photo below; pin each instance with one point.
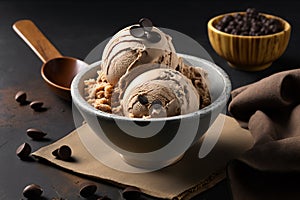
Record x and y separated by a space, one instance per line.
156 109
36 105
32 191
21 97
131 193
64 152
143 99
87 189
35 134
137 31
23 151
143 30
146 24
156 102
153 37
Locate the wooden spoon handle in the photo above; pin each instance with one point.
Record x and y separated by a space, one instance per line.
36 40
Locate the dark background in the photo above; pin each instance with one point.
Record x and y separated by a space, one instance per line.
75 28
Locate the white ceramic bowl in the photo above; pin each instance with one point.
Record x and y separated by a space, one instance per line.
157 142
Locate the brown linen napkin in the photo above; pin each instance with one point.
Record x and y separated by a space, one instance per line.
270 109
182 180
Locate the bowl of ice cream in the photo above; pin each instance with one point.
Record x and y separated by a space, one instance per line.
249 40
152 111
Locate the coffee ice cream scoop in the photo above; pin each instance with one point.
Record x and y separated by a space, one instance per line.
152 99
126 50
159 92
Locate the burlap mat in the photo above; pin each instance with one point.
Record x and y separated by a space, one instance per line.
183 180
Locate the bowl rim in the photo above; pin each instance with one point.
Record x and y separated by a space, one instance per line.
80 101
287 26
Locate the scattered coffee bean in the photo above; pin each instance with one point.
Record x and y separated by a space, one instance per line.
36 105
87 189
35 134
252 23
23 151
21 97
64 152
32 191
131 193
55 153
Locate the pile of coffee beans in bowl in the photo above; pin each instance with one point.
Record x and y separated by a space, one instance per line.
250 23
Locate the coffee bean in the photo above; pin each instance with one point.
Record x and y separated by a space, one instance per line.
237 16
36 105
157 102
35 134
23 151
228 29
87 189
227 18
218 27
64 152
146 24
131 193
55 153
153 37
137 31
232 24
21 97
234 32
32 191
252 12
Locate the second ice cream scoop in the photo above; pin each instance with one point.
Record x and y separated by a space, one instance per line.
160 92
152 99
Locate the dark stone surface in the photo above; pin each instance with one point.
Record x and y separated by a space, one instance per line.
75 28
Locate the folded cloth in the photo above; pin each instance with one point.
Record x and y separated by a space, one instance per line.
270 109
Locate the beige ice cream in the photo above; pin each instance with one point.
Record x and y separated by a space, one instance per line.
199 79
124 52
156 92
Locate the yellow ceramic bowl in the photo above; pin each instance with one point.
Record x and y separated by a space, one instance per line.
251 53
